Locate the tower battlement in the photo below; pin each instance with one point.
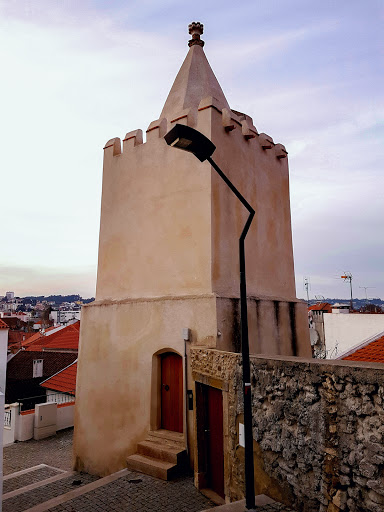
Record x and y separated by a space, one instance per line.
231 120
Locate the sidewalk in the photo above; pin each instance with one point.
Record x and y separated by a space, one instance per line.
45 482
55 451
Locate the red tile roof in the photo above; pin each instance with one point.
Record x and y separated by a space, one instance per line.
322 306
64 381
39 335
373 352
17 338
31 339
3 325
67 339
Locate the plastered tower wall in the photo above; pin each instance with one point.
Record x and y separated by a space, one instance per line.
118 379
155 232
168 260
259 169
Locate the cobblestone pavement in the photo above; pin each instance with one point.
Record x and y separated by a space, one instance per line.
276 507
138 492
28 478
55 451
44 493
133 492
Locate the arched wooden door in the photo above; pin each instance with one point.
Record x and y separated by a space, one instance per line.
172 392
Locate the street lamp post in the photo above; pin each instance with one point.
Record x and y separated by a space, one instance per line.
191 140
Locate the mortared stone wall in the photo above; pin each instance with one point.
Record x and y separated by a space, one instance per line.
318 429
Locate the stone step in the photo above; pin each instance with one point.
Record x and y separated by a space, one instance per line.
168 436
157 449
151 466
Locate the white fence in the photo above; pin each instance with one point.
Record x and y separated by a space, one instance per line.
20 426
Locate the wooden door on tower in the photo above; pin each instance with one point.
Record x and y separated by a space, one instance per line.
210 437
172 392
216 441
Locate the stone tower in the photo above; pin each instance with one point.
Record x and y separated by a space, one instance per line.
168 262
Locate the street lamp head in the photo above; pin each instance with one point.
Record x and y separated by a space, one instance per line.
189 139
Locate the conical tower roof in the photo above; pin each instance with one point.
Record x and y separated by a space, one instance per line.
195 80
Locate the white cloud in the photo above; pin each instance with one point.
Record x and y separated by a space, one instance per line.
246 51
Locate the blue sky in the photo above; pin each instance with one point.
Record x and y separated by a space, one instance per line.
76 74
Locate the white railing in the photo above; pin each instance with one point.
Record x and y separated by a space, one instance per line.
7 418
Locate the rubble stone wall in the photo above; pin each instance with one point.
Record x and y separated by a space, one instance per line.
318 429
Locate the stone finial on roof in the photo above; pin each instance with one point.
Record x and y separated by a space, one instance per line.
196 29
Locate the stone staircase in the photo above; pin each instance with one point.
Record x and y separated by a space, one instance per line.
162 455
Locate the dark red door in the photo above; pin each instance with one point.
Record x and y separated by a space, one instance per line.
210 439
215 454
172 392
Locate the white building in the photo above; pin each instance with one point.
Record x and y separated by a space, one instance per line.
339 307
343 331
65 317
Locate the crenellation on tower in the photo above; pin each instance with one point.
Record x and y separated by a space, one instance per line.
280 151
208 102
242 116
231 120
114 143
157 129
228 120
266 141
133 139
188 116
248 130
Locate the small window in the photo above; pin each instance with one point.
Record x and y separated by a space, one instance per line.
37 368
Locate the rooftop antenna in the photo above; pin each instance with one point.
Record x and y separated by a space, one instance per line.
348 277
366 288
307 286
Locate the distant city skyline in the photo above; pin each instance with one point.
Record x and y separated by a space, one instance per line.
309 74
318 298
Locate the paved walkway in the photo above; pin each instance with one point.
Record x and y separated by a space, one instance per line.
39 479
55 451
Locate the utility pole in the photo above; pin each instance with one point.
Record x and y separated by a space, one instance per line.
306 286
348 277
